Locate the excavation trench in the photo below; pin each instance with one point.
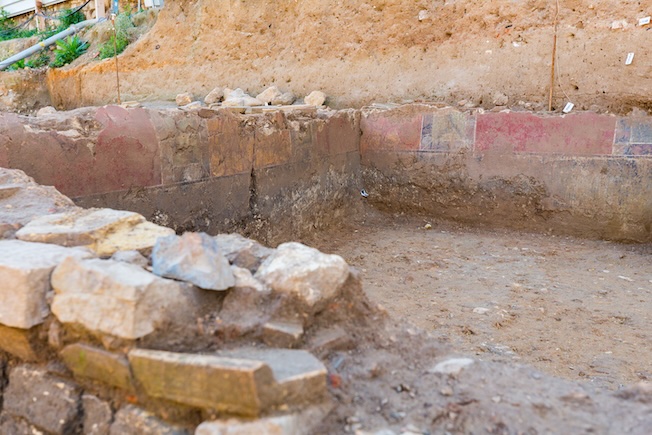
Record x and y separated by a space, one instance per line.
510 236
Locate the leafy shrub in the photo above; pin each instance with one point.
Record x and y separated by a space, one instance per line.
121 37
10 31
68 50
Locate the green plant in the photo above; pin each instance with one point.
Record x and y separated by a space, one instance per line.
118 41
10 31
68 50
20 64
68 17
37 62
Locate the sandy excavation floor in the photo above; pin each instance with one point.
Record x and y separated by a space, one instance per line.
577 309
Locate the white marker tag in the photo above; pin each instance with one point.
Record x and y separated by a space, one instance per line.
630 59
568 107
644 21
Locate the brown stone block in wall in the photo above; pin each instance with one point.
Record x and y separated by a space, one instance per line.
236 386
19 342
231 145
99 365
272 148
339 134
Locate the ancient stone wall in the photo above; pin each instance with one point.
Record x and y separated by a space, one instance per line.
197 169
582 174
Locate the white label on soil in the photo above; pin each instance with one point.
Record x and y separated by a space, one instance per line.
644 21
630 59
568 107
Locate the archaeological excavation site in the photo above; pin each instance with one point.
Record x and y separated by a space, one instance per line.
320 217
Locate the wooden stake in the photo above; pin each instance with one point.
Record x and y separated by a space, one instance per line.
115 56
554 56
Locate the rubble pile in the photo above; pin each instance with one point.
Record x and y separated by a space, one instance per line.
110 324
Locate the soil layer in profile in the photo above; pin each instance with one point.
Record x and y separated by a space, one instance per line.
578 309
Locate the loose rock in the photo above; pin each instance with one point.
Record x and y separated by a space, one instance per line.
183 99
243 252
97 415
118 298
269 94
131 420
214 96
315 98
451 366
297 269
500 99
192 257
284 99
133 257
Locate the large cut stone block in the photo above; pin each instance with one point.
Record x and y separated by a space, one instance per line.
45 401
105 230
314 277
25 270
97 364
231 385
192 257
119 298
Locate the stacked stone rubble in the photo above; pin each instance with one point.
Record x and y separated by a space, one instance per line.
113 325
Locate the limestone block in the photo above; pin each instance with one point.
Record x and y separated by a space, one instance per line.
214 96
282 334
119 298
183 99
192 257
22 200
243 252
131 420
231 385
299 423
284 99
140 237
97 415
315 98
78 228
97 364
45 401
311 275
300 377
269 94
25 270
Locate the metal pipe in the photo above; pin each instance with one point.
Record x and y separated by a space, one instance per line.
46 43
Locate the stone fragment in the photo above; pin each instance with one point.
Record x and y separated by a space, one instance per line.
133 257
311 275
328 340
238 97
237 386
269 94
245 280
183 99
214 96
25 270
131 420
282 334
315 98
19 342
22 200
243 252
47 402
250 101
481 310
299 423
500 99
141 237
192 257
119 299
82 227
44 111
97 364
245 306
452 366
97 415
10 425
191 106
284 99
300 377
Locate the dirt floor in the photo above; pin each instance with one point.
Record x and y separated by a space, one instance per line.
571 316
577 309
